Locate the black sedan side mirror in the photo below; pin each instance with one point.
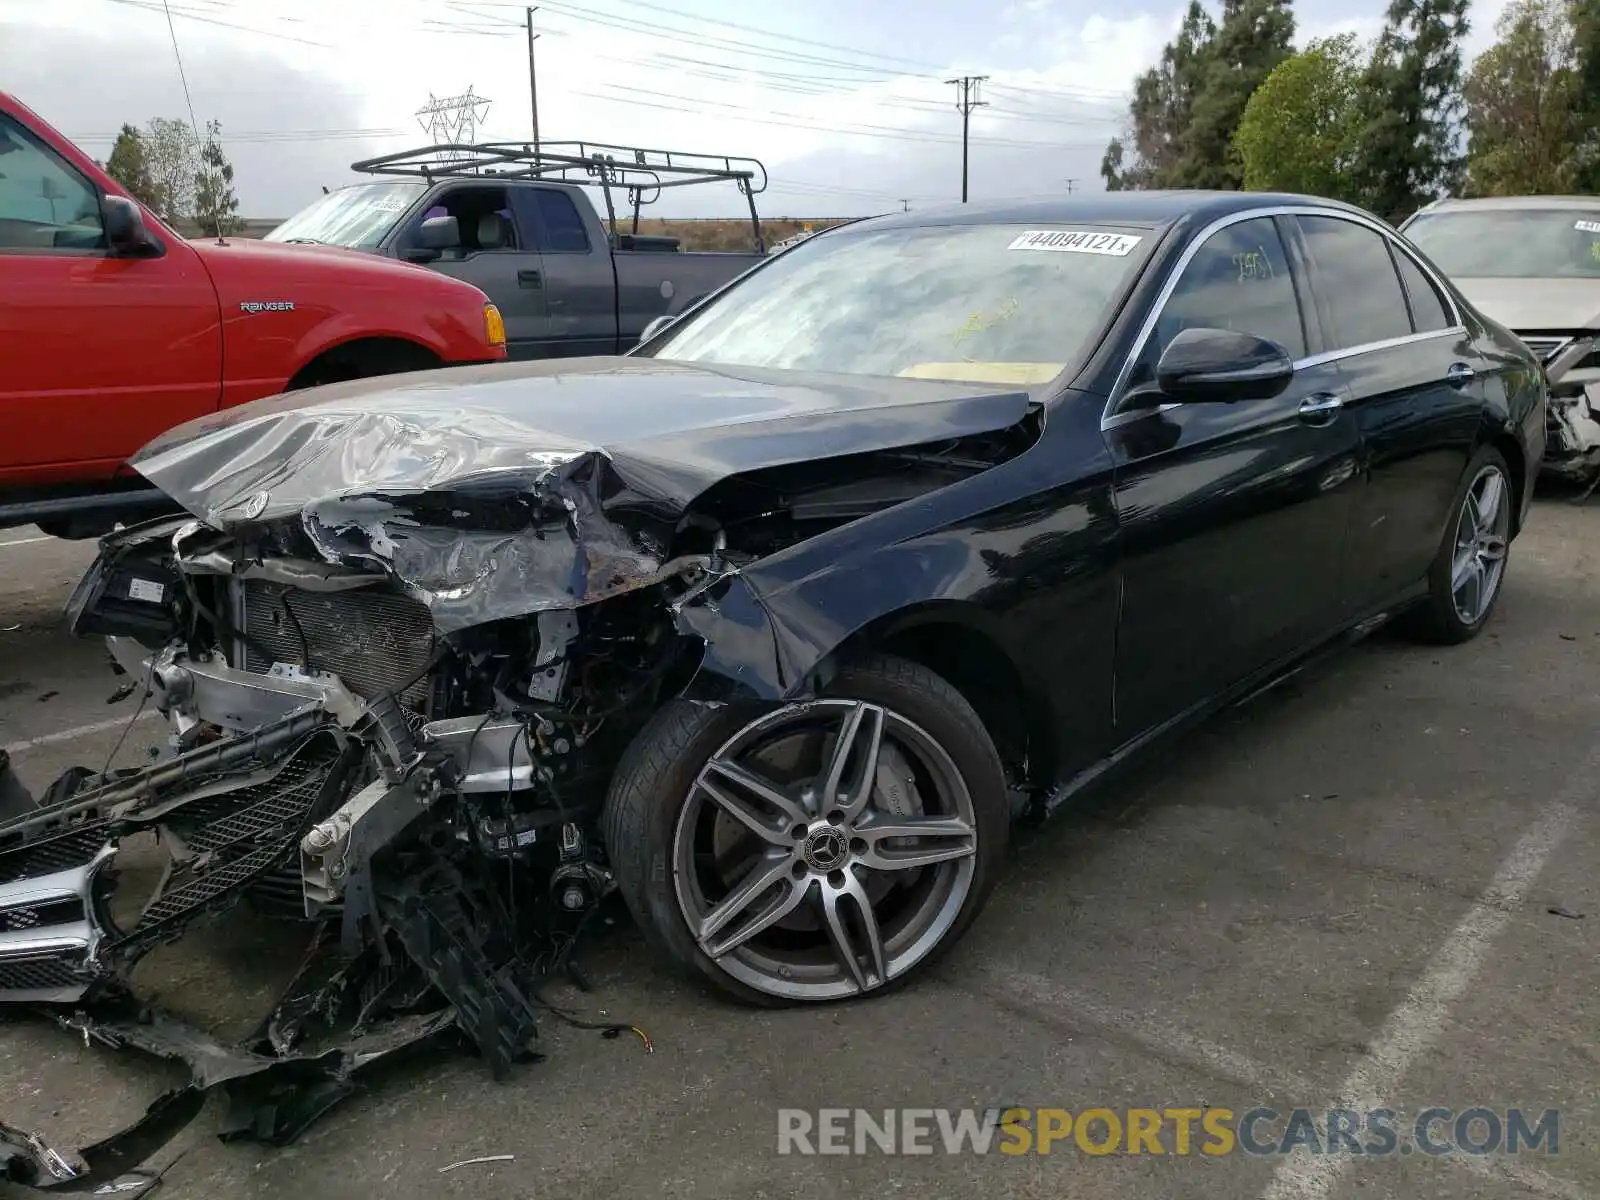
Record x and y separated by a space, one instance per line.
1219 365
126 234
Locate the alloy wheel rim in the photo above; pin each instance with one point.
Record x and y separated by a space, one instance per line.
1478 563
832 873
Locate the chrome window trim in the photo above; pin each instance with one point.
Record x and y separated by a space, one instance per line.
1109 417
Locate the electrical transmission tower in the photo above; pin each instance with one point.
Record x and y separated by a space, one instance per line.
453 119
967 100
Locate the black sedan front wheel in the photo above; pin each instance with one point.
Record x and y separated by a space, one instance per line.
814 851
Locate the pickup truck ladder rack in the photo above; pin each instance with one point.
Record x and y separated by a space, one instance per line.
640 172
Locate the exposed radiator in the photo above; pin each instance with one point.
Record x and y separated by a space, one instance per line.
371 639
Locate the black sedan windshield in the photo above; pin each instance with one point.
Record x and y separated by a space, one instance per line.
1511 243
979 303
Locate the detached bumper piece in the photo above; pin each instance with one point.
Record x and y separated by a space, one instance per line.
410 960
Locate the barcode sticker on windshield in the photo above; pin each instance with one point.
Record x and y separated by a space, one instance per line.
389 203
1587 226
1073 241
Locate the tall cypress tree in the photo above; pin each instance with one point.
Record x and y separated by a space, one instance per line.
1161 111
1253 38
1411 139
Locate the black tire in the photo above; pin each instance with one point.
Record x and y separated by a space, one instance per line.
1437 620
655 777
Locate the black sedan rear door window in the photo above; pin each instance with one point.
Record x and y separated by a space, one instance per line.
1355 279
1428 311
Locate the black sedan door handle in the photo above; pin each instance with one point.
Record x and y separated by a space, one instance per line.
1458 374
529 279
1320 406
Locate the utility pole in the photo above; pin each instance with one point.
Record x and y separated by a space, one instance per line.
967 92
905 206
1070 184
533 79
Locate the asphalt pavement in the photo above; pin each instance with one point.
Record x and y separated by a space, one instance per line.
1339 895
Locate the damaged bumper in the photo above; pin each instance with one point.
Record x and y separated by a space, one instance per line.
1572 410
292 792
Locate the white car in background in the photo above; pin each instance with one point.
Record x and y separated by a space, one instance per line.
1532 264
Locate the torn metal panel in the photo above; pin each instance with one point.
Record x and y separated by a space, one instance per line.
524 491
272 1098
1573 425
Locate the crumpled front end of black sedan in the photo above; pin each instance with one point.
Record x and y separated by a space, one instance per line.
422 697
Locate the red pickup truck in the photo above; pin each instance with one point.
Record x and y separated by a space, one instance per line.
114 328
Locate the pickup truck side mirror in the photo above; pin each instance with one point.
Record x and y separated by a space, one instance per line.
434 236
124 225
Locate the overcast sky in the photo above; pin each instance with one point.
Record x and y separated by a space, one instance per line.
843 100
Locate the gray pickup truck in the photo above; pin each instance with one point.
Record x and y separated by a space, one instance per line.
514 220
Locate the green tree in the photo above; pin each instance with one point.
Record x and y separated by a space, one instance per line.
1160 114
1185 109
216 208
1408 148
1299 129
170 155
1584 17
1111 166
127 166
1253 37
1520 100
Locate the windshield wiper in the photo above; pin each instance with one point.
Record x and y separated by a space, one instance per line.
304 242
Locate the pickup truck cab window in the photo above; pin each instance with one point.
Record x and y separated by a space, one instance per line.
999 303
44 203
554 220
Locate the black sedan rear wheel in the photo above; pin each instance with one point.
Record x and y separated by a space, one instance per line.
813 851
1465 579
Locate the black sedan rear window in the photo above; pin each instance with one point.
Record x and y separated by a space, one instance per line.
1005 304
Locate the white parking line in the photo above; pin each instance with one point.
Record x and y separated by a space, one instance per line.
68 735
1144 1028
1503 1170
24 542
1418 1019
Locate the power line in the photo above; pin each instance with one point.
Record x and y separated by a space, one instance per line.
651 6
854 129
967 88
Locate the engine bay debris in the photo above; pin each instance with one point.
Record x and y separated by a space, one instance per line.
399 644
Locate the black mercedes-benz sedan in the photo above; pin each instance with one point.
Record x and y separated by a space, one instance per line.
777 623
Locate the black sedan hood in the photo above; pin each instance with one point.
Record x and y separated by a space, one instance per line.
495 491
668 430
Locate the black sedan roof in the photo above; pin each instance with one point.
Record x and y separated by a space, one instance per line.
1148 209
